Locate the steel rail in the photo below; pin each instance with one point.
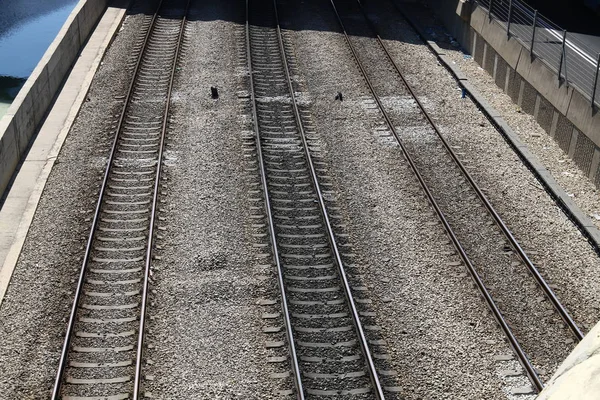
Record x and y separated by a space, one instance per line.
165 122
564 313
530 370
549 189
88 248
346 284
271 223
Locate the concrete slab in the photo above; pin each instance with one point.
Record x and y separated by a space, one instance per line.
21 202
514 138
455 69
478 18
436 48
482 102
577 377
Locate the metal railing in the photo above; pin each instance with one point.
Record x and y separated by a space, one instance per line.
575 62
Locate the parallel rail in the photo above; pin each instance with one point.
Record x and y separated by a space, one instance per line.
327 343
102 352
280 273
522 356
562 311
580 224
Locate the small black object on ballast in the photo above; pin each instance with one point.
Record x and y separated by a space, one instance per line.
339 96
214 92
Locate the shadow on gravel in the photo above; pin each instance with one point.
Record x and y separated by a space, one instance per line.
313 15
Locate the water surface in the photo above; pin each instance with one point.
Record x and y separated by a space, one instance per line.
27 27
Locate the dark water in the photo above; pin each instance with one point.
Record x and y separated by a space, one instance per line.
27 27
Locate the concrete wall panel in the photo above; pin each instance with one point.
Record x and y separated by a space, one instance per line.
597 176
488 60
500 77
21 121
41 97
584 151
495 36
514 85
545 113
87 19
29 108
528 99
468 46
65 49
478 18
584 117
544 80
478 51
9 151
564 132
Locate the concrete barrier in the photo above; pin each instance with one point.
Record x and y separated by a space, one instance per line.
577 376
29 108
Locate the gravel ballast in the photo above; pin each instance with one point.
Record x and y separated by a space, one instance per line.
430 313
205 328
546 342
555 245
213 292
563 169
37 305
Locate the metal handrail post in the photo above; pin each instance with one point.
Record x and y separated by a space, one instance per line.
490 10
595 80
533 34
510 9
562 55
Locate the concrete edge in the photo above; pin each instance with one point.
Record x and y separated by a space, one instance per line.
29 108
26 218
577 376
583 222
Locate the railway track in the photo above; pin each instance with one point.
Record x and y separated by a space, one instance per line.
104 343
506 277
333 349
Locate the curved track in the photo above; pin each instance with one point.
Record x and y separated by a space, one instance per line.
103 348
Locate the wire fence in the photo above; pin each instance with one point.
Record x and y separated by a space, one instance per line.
575 62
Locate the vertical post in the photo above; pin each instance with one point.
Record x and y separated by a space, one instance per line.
533 34
562 56
595 80
490 9
510 9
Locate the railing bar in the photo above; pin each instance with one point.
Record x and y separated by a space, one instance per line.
510 8
595 80
533 34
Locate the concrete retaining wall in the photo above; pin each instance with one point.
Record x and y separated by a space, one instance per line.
29 108
563 112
